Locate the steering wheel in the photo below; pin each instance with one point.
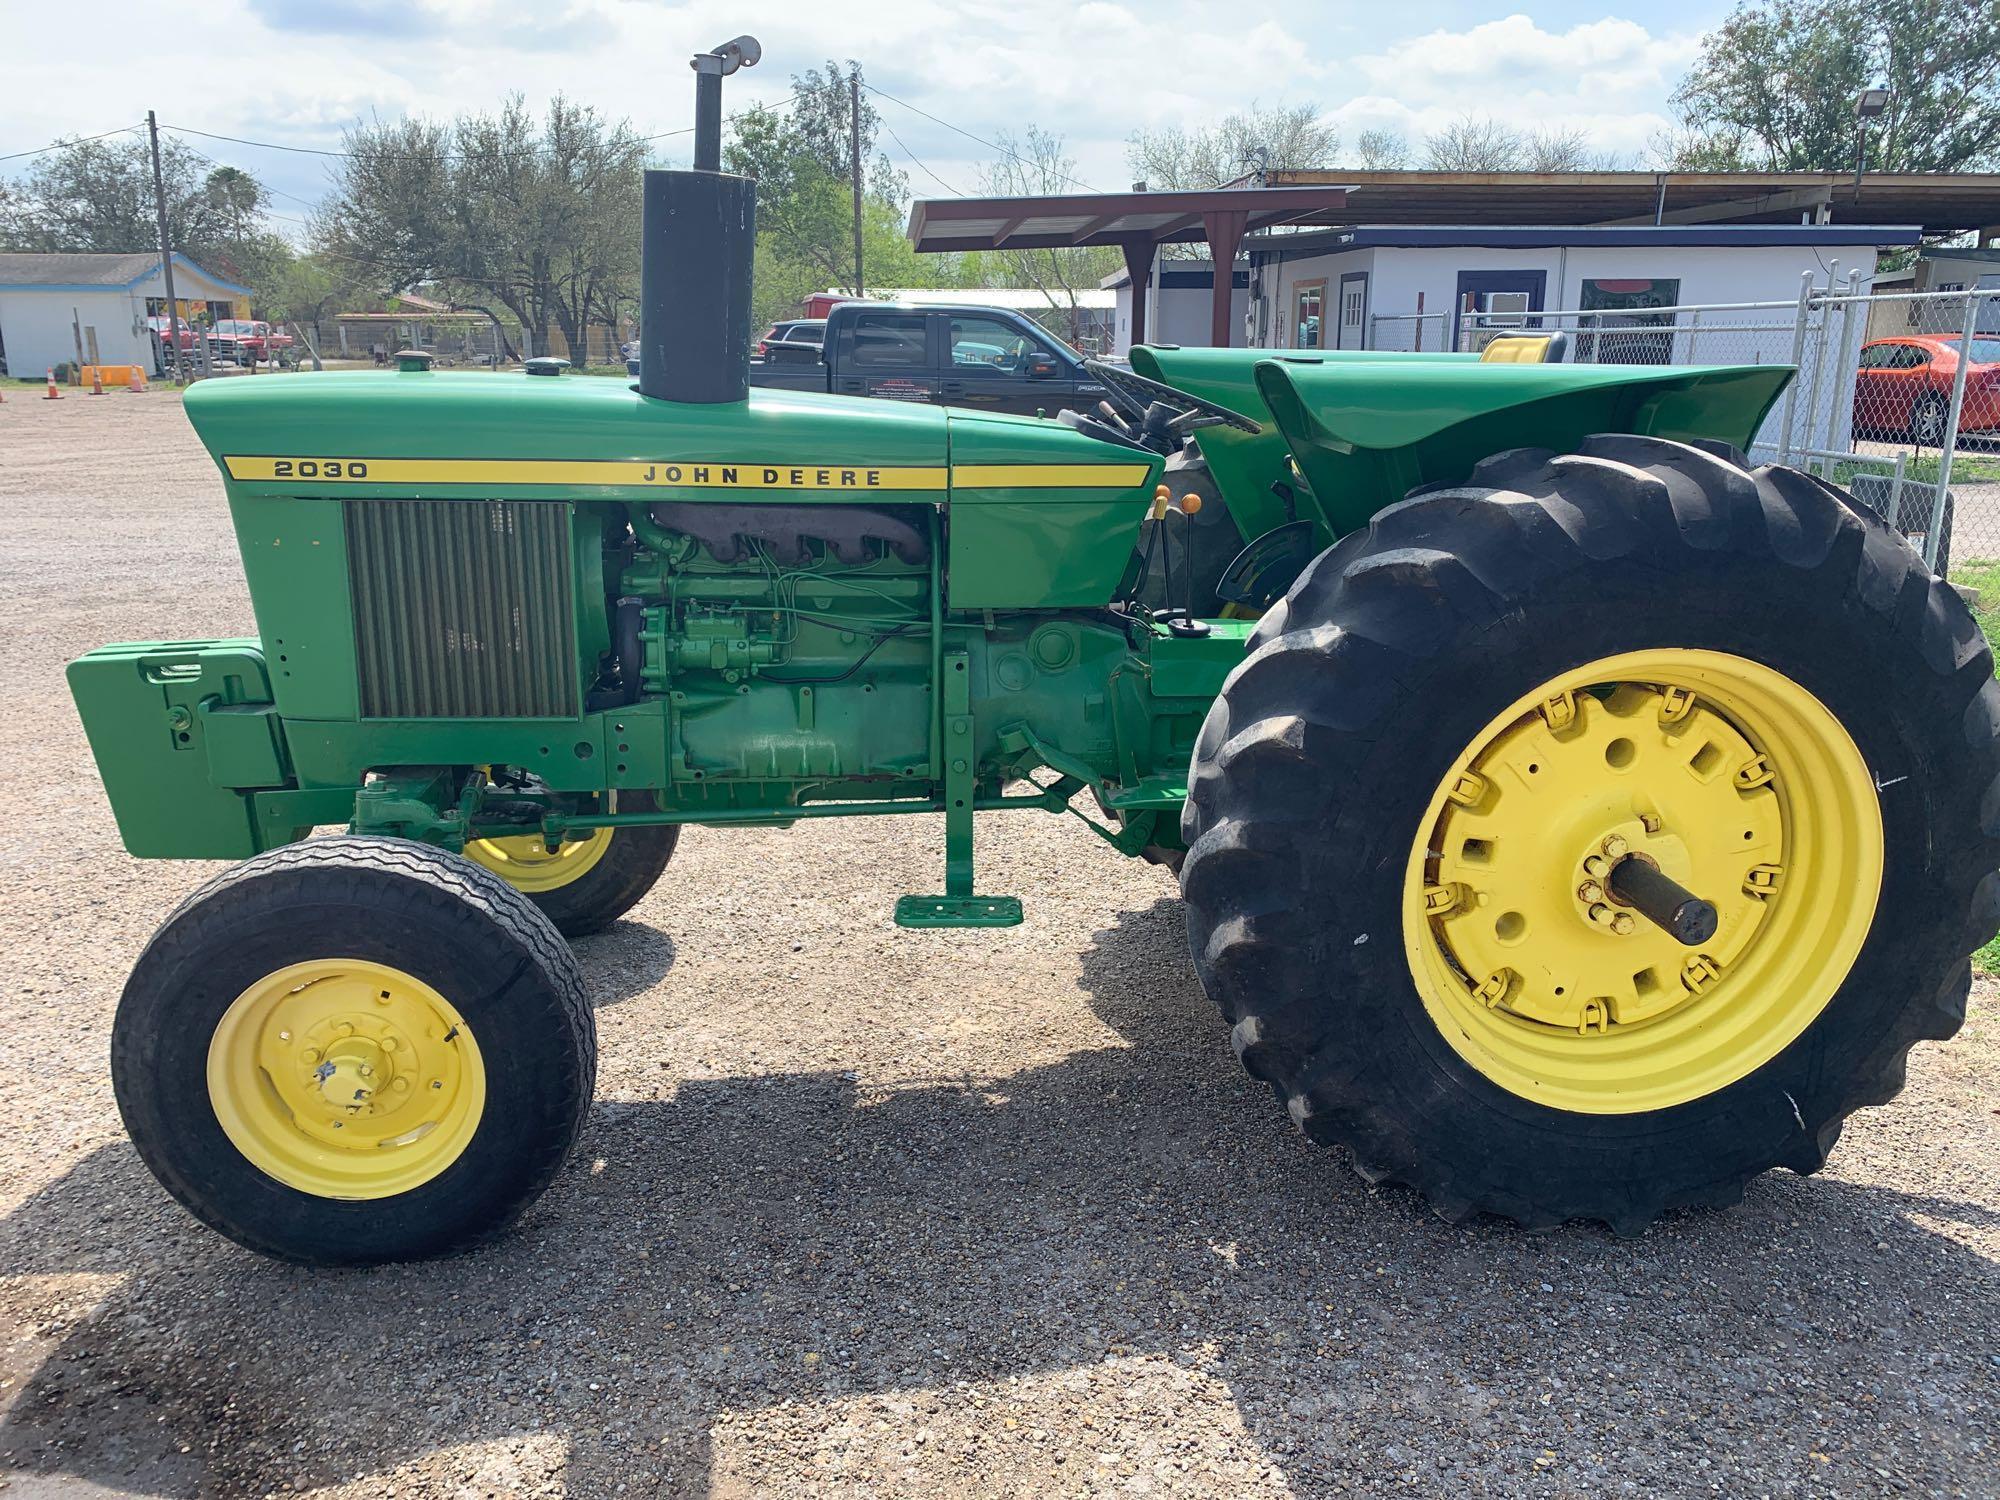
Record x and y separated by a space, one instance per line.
1140 398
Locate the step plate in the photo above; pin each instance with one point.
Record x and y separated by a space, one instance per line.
958 911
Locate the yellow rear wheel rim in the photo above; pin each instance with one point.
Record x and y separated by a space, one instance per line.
346 1079
526 863
1728 776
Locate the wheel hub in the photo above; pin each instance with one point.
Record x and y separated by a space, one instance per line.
345 1078
1617 855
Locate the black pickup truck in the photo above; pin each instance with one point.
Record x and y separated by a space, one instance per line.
987 358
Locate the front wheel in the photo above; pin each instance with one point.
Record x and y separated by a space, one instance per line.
352 1050
1433 813
584 884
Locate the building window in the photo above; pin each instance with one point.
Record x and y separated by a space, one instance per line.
217 311
1609 340
1308 308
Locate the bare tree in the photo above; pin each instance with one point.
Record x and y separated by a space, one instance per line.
1473 144
1279 138
1381 150
1029 168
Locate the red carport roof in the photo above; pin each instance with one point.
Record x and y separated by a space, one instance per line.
1107 218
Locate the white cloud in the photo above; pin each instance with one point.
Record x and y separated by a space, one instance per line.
302 70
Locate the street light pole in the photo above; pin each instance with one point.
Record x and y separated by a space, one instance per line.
1867 105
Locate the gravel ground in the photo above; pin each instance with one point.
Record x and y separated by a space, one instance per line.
869 1212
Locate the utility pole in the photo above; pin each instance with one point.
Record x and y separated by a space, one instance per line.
854 144
166 252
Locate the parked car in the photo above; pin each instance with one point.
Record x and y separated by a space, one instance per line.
187 333
1903 386
988 358
245 340
794 331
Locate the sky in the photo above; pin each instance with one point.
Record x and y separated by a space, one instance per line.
298 72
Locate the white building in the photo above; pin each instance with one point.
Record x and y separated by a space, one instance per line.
1433 287
52 304
1178 302
1442 288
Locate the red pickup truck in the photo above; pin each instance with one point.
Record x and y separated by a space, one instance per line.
245 341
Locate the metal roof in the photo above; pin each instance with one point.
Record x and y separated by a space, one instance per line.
1579 236
1940 202
1937 202
1106 218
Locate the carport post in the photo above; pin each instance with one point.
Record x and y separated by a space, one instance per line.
1139 269
1224 232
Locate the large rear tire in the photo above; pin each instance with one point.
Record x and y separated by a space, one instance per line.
1639 650
352 1050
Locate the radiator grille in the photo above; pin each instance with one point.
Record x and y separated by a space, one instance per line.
462 609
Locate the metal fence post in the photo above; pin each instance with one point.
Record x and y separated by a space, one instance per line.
1798 359
1948 443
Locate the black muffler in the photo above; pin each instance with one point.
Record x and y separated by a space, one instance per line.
699 240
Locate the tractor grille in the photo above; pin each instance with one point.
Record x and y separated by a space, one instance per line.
463 609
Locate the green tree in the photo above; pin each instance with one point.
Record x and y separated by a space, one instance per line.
541 217
802 158
1779 77
97 196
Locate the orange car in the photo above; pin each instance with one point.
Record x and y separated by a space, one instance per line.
1903 386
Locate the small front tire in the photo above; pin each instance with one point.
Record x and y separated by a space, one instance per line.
353 1050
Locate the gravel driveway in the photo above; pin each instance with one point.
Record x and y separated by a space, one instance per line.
871 1212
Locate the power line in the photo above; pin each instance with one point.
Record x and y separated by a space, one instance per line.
80 140
504 151
919 164
989 145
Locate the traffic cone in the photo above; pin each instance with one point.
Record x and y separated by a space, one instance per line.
96 380
137 384
54 394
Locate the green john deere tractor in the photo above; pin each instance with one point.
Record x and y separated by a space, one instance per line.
1573 820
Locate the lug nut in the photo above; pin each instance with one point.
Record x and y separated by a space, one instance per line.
1650 822
1622 924
1615 846
1590 892
1600 913
1597 865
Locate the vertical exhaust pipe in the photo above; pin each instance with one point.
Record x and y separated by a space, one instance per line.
699 239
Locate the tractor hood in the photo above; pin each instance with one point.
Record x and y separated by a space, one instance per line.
426 434
1362 429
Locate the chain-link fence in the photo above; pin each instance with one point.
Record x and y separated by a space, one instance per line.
1885 403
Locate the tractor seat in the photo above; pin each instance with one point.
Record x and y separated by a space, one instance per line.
1525 349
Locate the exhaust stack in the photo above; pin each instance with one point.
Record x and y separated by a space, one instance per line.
698 243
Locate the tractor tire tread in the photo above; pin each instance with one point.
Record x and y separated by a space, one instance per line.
203 915
1331 662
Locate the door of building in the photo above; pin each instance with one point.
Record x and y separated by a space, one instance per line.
1352 330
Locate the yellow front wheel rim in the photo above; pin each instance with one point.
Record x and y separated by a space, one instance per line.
526 862
346 1079
1730 778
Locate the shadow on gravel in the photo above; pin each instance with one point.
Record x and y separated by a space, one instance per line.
624 960
783 1242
